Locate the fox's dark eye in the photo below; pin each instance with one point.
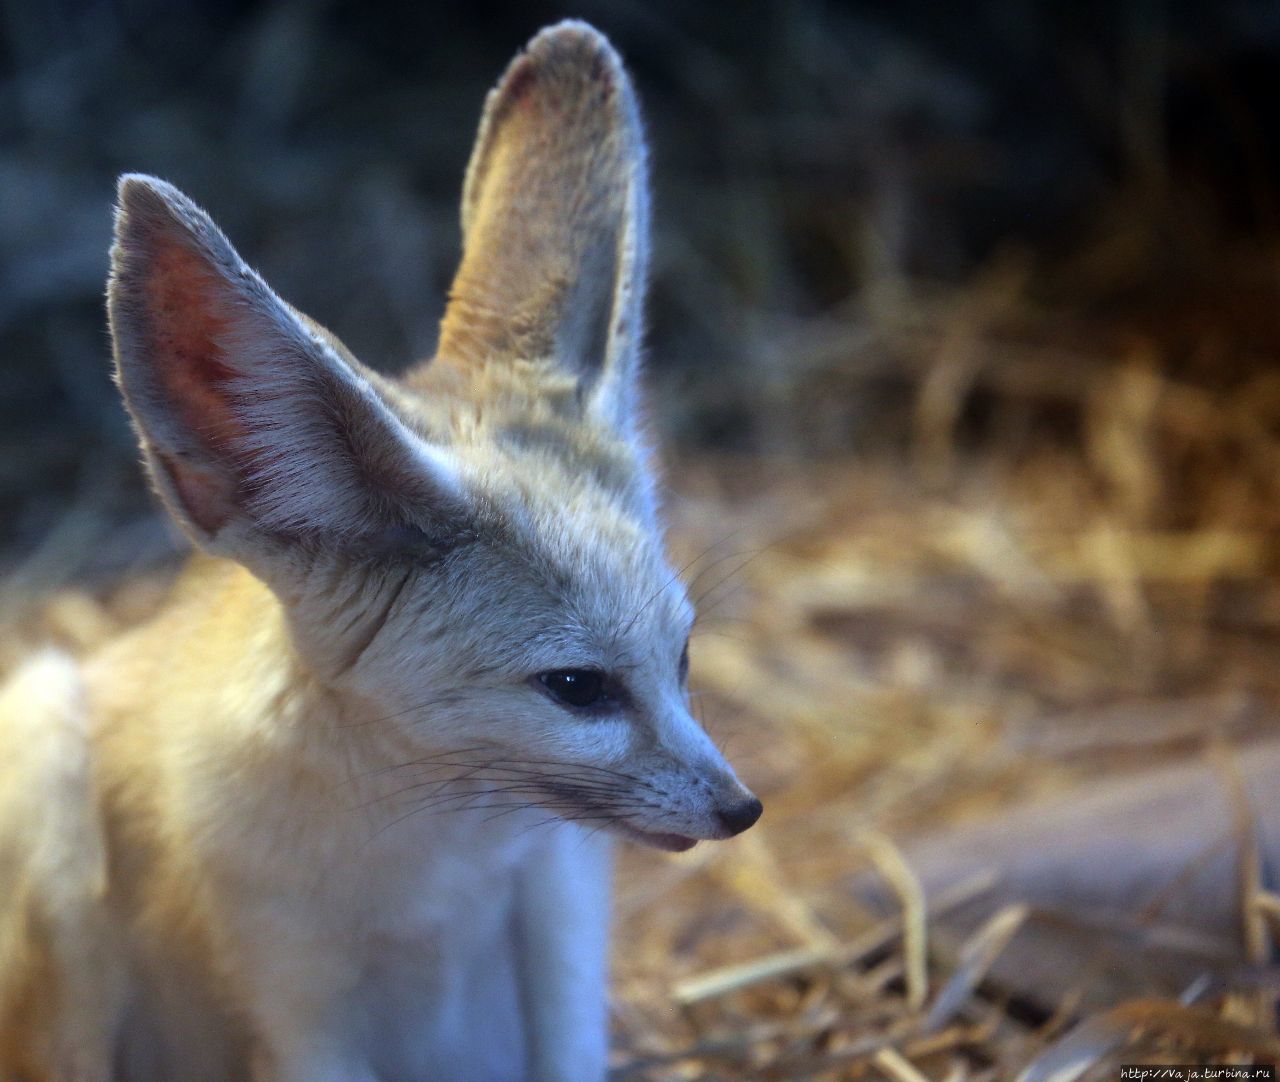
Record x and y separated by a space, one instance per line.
684 663
575 687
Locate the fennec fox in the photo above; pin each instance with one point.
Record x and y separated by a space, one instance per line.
340 812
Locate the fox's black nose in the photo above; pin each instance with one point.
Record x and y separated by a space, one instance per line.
737 817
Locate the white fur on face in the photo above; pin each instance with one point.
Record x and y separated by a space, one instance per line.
543 584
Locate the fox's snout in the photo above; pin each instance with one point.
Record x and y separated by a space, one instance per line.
700 796
691 789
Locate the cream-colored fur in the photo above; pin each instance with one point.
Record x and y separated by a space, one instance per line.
341 811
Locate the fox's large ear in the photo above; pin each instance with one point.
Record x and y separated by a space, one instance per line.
253 421
555 221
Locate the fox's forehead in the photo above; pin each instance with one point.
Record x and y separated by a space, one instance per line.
594 569
615 572
522 422
570 501
607 560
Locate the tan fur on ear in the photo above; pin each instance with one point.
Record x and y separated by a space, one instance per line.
554 215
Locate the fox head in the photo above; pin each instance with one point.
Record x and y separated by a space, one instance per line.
468 557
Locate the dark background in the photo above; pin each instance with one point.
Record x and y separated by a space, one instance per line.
826 175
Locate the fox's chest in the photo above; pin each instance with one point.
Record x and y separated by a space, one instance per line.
438 996
446 875
444 1006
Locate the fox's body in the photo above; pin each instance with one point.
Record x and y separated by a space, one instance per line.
341 811
397 942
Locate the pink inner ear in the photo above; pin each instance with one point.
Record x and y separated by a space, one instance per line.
207 496
188 310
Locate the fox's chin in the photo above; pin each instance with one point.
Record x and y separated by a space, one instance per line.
668 843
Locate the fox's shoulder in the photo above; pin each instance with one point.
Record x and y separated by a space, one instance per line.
46 775
55 944
209 599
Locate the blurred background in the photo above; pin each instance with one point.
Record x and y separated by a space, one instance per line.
964 354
